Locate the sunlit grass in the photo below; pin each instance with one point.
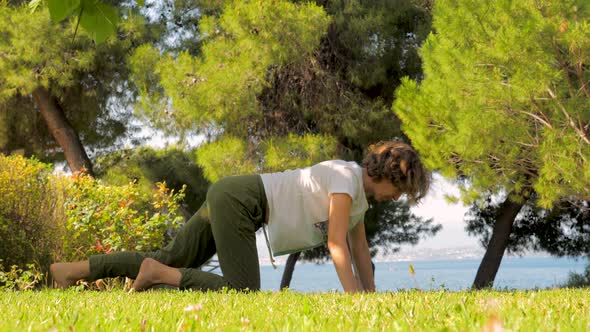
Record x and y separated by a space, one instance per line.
563 309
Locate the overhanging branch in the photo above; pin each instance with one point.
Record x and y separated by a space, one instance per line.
579 130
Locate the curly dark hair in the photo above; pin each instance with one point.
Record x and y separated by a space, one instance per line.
399 163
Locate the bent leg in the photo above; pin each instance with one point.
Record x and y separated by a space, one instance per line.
201 280
118 264
237 208
236 212
192 247
66 274
153 272
235 241
236 249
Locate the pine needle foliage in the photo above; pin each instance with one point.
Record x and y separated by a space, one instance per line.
505 98
89 82
286 71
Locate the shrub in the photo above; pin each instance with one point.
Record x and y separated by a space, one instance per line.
579 280
147 166
46 217
30 212
19 279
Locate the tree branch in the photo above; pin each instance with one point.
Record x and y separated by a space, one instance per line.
565 69
572 123
580 73
538 118
534 146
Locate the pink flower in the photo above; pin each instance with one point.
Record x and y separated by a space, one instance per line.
193 307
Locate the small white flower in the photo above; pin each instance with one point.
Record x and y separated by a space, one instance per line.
193 307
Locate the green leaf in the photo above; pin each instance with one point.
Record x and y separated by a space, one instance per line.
99 20
141 3
60 9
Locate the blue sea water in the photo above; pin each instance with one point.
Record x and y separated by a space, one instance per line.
458 274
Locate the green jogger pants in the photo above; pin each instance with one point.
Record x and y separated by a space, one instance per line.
225 224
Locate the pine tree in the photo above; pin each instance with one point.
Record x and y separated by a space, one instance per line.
58 91
504 105
283 84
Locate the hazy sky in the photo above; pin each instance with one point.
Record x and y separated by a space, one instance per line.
449 215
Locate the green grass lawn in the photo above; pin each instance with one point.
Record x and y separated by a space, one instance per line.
54 310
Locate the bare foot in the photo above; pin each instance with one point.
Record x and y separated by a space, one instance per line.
152 272
66 274
147 274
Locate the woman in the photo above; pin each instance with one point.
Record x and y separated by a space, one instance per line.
303 208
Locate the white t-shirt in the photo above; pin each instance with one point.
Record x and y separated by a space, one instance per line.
299 202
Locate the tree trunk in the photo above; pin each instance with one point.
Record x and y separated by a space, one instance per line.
63 132
289 268
493 257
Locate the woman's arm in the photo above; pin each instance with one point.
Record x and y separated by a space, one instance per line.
362 258
337 228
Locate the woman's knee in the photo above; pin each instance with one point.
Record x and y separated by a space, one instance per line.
218 188
218 192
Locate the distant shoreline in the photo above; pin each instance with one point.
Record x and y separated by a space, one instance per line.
281 261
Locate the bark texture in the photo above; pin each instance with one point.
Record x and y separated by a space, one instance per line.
62 131
497 246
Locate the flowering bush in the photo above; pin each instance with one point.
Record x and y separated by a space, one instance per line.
47 217
102 219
